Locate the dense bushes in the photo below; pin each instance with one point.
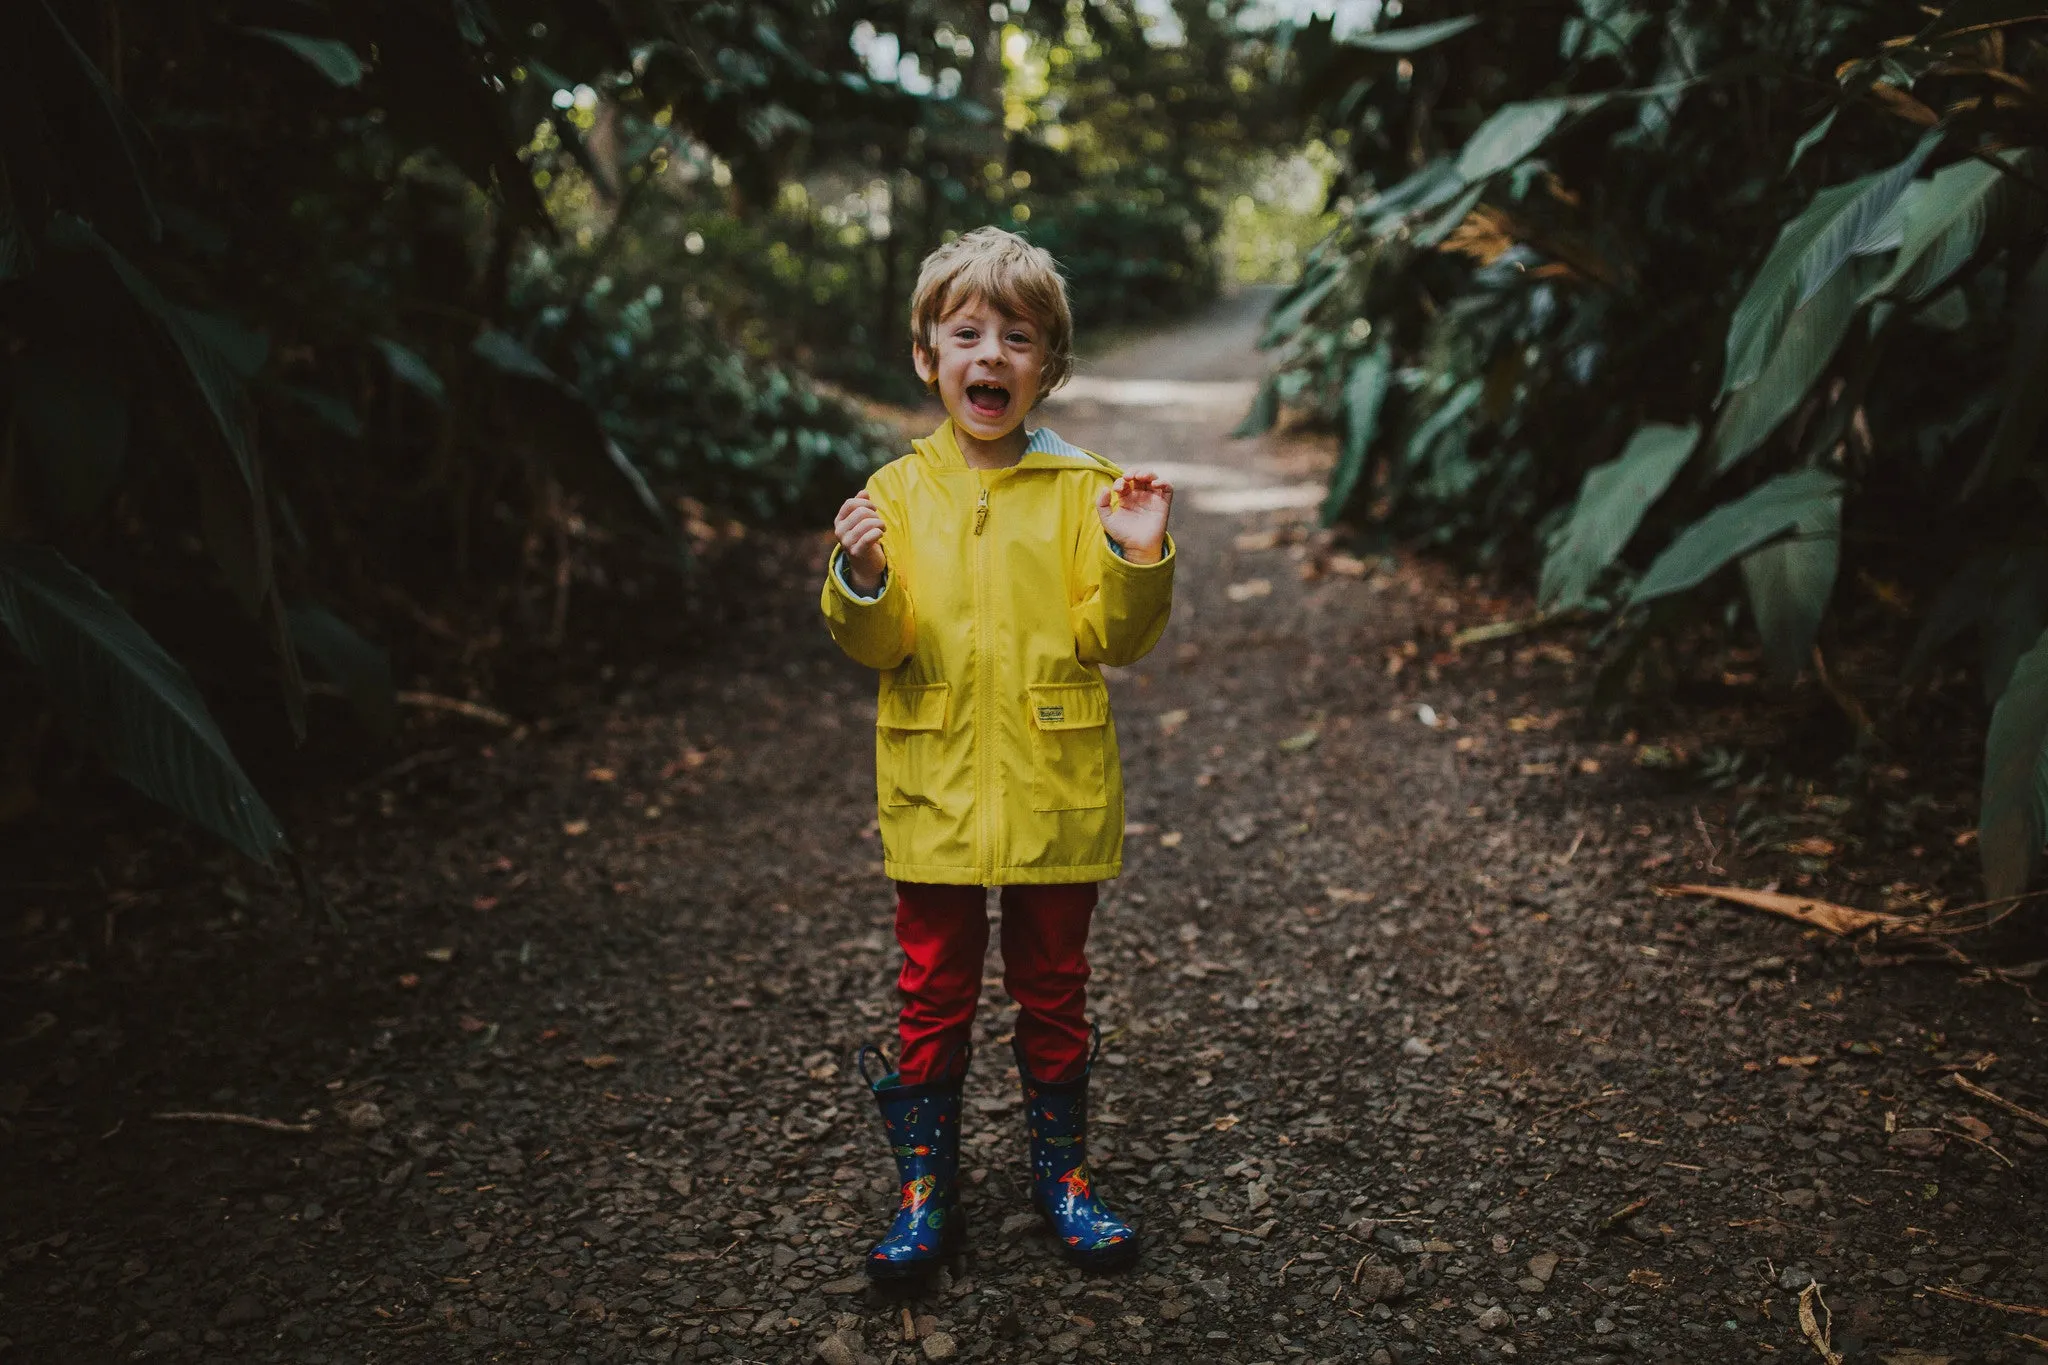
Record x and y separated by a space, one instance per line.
1686 304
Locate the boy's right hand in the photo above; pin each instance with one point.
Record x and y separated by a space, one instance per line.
859 528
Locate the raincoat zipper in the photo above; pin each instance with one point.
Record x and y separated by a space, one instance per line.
983 804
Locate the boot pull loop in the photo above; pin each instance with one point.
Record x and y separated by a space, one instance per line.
1094 1050
860 1063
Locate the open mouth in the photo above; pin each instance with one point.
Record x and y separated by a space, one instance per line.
988 401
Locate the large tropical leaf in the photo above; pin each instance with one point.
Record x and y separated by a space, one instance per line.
1943 221
2013 817
1807 344
409 369
123 695
1264 411
1843 221
1365 393
1411 39
1511 133
1612 500
331 57
1734 529
1789 584
568 432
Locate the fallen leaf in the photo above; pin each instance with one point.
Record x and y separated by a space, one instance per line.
1589 765
1170 839
1820 1338
1836 919
1539 769
484 903
601 1062
440 954
1974 1126
1812 846
1134 829
1300 743
1351 566
1343 895
1170 721
602 775
1469 743
1809 1059
573 828
1250 588
408 980
1648 1279
469 1023
1225 1123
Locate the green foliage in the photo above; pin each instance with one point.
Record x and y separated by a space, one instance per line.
1583 237
2015 804
124 696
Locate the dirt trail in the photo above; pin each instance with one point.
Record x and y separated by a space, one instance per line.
1406 1060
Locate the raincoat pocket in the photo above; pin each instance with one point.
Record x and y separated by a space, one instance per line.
1070 733
908 726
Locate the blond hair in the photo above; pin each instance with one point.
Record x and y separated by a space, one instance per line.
1007 272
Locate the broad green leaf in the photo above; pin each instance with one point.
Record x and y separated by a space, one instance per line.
2013 817
1433 230
1292 308
1810 139
1512 133
331 57
1365 393
1735 528
326 407
122 694
1264 411
1436 183
215 374
2014 441
1809 340
412 371
118 117
344 658
1411 39
1612 500
510 354
1943 221
1842 221
1789 584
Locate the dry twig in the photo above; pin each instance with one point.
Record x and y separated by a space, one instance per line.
1965 1296
237 1120
1970 1087
1819 1337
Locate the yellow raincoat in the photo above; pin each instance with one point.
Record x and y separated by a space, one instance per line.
995 757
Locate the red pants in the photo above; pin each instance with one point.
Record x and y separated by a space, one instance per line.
944 934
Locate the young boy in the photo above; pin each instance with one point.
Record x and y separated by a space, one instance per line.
989 575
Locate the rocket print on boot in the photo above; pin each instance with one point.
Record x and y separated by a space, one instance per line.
923 1128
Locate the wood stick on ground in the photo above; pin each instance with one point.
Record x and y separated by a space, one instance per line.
434 701
1970 1087
1965 1296
236 1120
1624 1213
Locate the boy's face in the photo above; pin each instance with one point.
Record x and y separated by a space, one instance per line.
987 365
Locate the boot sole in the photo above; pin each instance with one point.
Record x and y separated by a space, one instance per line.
951 1245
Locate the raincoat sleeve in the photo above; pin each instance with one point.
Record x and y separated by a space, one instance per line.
1122 607
878 631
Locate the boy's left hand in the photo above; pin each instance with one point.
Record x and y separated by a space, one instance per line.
1134 510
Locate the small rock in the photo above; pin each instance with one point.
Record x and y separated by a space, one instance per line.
364 1116
940 1346
1601 1326
1543 1265
1381 1284
1919 1143
1018 1222
239 1311
1972 1274
1416 1048
1798 1199
852 1284
1529 1284
1059 1343
833 1350
1794 1278
1494 1319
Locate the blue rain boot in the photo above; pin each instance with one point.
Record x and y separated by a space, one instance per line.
923 1126
1089 1234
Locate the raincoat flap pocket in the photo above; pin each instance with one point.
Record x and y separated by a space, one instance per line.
1069 706
918 707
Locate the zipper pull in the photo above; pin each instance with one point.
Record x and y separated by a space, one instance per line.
981 512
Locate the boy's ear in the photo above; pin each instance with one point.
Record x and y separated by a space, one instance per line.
927 365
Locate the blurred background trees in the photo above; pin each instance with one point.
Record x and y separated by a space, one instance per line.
338 341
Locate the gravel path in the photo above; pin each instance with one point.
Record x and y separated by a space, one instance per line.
1406 1059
